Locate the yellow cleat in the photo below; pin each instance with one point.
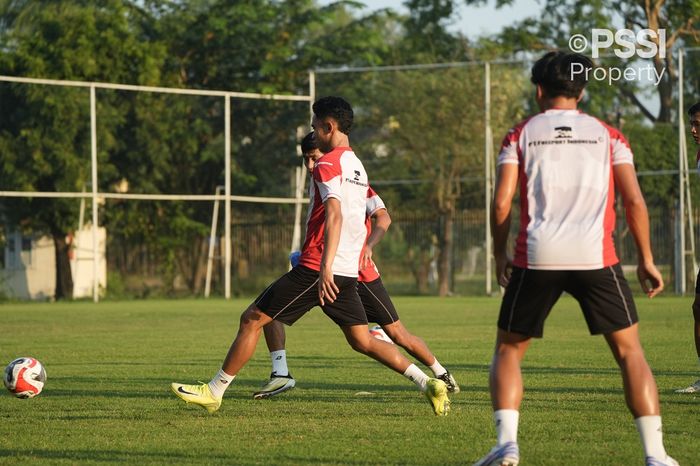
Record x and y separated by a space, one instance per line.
197 394
436 393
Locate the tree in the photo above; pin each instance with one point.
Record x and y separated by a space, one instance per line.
560 19
45 140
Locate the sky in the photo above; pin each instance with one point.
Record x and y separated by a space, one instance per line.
473 21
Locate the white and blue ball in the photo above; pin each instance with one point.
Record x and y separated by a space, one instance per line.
378 332
24 377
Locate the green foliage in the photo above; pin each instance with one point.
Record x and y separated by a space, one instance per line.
655 148
415 125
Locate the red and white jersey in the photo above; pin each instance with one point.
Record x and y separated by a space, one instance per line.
567 192
338 174
374 203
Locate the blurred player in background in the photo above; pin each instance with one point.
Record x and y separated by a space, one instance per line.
567 165
375 299
327 270
694 114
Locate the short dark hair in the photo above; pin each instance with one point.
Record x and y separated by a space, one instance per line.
695 108
308 143
553 72
338 109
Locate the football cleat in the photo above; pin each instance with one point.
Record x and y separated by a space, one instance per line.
651 461
198 395
507 454
436 393
276 385
450 381
694 388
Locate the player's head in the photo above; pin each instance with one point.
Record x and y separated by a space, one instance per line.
332 122
694 114
561 74
310 151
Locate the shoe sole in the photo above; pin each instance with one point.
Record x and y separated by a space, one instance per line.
504 462
263 395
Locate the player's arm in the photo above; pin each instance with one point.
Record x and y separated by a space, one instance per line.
638 222
506 184
327 288
382 220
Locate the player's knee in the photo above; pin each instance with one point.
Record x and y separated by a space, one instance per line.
361 345
250 317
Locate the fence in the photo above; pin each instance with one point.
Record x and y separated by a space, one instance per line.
426 133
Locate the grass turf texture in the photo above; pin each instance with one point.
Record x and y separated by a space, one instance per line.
109 366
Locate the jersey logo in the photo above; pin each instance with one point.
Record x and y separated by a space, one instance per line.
357 175
563 132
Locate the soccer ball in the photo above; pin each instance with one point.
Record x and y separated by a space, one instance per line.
24 377
378 332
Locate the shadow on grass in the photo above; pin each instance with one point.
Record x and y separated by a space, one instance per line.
115 456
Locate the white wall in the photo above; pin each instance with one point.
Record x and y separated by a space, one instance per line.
81 263
30 265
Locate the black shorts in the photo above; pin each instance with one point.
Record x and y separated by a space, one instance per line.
296 293
603 294
697 283
376 302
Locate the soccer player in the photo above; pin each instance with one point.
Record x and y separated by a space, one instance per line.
567 165
327 271
375 299
694 113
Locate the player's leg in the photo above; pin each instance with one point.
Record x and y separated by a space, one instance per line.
380 309
361 341
285 300
696 318
609 309
526 304
281 379
416 347
641 393
505 376
695 387
209 395
349 314
506 388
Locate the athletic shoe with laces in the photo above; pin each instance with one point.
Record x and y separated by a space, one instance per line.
436 393
197 394
651 461
507 454
276 385
694 388
450 381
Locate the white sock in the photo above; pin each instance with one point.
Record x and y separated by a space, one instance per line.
416 376
506 421
437 368
279 362
649 428
220 383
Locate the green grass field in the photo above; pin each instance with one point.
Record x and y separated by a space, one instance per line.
109 366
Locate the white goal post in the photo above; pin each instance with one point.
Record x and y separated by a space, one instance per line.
226 197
